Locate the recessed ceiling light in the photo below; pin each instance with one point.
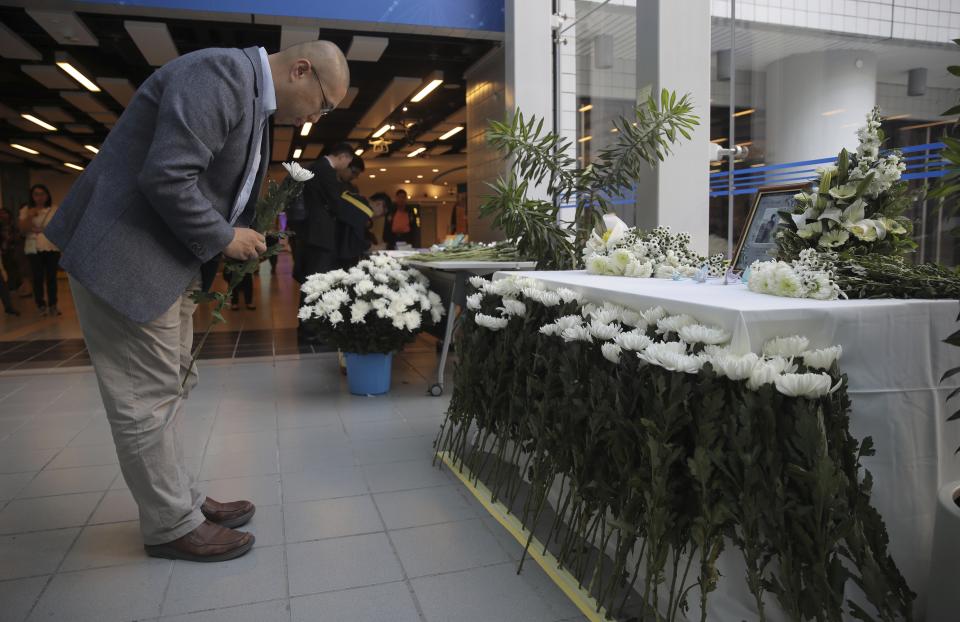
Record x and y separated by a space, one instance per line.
74 73
25 149
297 153
416 152
305 128
435 170
419 176
40 122
383 170
406 181
452 132
404 108
358 152
383 130
73 166
435 197
91 148
372 176
432 84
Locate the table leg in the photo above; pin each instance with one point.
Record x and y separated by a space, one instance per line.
459 284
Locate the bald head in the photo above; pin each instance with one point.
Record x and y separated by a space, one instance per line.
309 78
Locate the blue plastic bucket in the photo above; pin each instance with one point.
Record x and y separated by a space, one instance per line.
368 374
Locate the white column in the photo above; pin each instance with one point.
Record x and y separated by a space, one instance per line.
816 102
673 52
528 43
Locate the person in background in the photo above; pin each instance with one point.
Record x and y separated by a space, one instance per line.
43 255
245 286
5 292
349 174
380 203
402 222
316 248
8 250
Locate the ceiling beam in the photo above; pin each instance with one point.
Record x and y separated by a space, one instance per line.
64 26
153 40
13 46
119 89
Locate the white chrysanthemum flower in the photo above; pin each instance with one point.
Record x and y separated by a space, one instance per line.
569 321
607 314
629 317
364 287
638 269
787 347
633 340
513 307
823 358
664 271
568 295
713 350
670 360
781 364
411 320
620 259
549 299
787 283
600 264
733 366
673 323
698 333
297 172
359 310
763 374
490 322
305 313
436 313
551 330
473 301
653 315
576 333
611 352
602 331
335 317
804 385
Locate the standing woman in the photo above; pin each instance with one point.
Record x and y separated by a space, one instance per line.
43 256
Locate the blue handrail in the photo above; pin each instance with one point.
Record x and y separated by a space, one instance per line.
922 162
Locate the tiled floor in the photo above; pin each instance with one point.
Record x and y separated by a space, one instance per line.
353 522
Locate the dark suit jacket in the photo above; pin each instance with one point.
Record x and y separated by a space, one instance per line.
320 198
153 206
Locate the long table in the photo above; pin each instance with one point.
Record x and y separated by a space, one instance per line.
894 357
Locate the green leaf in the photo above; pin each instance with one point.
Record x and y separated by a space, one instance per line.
954 69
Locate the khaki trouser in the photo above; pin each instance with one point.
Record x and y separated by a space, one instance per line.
140 369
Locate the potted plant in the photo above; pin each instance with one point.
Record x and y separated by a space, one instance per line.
369 312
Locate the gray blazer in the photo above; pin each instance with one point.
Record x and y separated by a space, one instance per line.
153 205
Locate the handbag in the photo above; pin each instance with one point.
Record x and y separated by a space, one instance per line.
30 242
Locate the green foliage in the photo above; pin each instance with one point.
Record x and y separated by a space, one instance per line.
663 466
886 276
539 157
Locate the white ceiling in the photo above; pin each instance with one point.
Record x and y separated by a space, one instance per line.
759 45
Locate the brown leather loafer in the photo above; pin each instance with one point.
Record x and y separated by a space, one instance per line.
233 514
207 543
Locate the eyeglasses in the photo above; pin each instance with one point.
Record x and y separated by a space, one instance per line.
326 107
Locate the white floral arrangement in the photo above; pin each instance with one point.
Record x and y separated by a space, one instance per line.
810 276
858 202
660 253
675 342
377 306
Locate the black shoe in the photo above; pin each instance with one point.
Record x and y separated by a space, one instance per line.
12 312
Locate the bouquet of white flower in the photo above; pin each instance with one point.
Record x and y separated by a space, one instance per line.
660 253
834 216
378 306
810 276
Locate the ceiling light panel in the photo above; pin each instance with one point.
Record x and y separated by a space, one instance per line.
54 114
120 89
12 46
50 76
397 92
47 149
69 66
38 121
153 40
291 35
367 49
64 26
348 98
84 101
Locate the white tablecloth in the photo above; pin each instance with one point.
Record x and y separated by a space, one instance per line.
894 357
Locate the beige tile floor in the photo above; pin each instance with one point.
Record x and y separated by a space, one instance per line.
353 522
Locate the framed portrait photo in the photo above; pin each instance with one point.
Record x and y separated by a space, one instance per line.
757 242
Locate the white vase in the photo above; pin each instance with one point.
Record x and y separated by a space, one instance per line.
944 597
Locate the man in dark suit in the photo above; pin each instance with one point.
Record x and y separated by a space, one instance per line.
316 235
174 186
